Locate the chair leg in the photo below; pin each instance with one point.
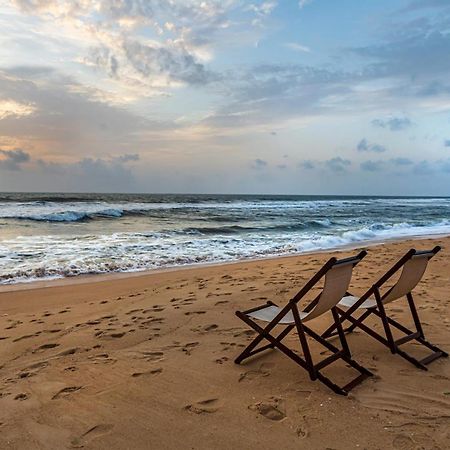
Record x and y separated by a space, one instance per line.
417 336
390 338
337 354
248 350
340 331
409 336
304 345
415 315
262 334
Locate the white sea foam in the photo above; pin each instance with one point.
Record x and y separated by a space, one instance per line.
25 258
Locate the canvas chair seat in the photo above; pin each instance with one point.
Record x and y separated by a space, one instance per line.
349 300
269 313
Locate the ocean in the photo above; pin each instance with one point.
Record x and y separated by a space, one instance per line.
47 236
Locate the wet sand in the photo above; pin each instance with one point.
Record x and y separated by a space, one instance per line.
146 361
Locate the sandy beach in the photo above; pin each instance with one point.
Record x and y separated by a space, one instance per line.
146 362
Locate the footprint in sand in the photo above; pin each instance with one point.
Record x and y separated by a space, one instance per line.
102 358
221 302
227 345
22 396
152 356
263 371
105 335
117 335
68 352
245 333
208 406
54 330
132 311
403 442
45 347
34 368
205 329
221 360
273 409
65 392
302 431
26 336
189 313
93 433
187 348
149 372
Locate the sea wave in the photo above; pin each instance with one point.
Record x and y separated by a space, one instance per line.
27 258
43 210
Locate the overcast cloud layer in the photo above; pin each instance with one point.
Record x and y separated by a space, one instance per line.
225 96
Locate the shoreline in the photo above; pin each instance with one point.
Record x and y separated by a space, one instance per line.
110 276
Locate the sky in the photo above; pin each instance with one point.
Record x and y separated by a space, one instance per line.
225 96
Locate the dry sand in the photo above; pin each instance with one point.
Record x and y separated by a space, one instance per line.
147 363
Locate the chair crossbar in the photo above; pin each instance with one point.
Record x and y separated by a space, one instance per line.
326 361
359 379
430 358
407 338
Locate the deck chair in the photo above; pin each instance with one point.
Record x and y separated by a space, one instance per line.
413 265
337 274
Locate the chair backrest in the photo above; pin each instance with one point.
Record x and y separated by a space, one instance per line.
412 272
338 274
336 284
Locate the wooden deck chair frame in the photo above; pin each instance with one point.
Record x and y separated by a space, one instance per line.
378 309
275 341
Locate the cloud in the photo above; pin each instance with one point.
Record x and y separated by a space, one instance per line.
108 174
67 115
173 62
259 164
393 123
372 166
297 47
263 9
417 50
11 108
447 143
128 157
13 159
338 164
424 168
266 93
421 4
114 36
303 3
401 161
364 146
308 165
